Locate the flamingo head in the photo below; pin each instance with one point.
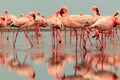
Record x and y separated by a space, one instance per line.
42 15
32 14
95 8
22 15
63 10
5 12
37 13
116 14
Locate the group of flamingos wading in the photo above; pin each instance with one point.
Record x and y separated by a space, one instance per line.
82 25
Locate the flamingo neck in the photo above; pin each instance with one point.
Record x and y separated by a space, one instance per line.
65 14
31 78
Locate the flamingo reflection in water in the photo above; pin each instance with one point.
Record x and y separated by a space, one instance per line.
22 68
55 64
74 76
88 70
37 57
5 57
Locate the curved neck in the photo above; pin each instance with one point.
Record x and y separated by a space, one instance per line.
95 13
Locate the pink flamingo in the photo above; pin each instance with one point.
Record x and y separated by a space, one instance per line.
54 21
39 22
24 22
104 24
77 21
10 18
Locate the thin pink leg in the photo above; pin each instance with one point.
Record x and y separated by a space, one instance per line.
16 38
76 46
70 35
28 38
65 35
59 35
102 48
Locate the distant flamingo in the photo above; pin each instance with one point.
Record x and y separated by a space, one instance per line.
24 22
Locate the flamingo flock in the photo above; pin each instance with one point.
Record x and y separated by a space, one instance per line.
85 26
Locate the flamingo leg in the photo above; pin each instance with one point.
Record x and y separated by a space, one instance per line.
38 33
25 58
70 35
16 38
76 46
28 38
65 35
53 35
59 35
88 37
102 48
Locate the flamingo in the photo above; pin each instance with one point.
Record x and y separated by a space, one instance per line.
10 18
106 23
77 21
54 21
39 22
103 24
24 22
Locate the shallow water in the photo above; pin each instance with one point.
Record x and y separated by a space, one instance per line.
45 48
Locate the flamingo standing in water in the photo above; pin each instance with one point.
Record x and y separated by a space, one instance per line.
24 22
9 20
39 22
77 21
54 21
102 25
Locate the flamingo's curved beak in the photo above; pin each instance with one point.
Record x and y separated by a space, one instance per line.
61 12
116 14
